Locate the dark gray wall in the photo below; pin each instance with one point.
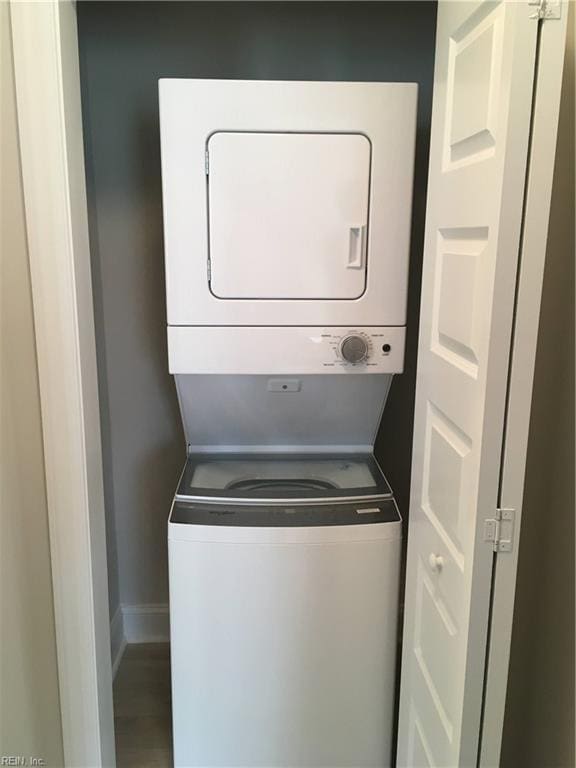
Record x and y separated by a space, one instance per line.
124 49
539 723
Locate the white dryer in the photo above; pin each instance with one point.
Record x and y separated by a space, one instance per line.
286 204
286 219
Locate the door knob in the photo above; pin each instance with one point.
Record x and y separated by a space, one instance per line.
436 562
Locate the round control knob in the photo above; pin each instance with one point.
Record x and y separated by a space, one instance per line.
354 349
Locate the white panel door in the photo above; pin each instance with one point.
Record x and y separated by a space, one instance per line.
485 59
288 215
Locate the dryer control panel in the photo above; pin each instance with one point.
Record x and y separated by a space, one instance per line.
286 351
364 349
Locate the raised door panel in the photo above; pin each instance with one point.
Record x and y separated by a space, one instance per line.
480 128
288 215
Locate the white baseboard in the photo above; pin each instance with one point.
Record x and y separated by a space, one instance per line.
146 623
137 624
117 640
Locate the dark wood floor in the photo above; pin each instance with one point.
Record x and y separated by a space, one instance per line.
142 714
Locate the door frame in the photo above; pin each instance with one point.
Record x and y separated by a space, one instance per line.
530 277
47 81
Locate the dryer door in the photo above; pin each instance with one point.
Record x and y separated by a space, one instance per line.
288 215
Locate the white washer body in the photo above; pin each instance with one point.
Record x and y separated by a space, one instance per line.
284 644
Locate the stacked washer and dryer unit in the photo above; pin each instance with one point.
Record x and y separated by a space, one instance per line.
287 209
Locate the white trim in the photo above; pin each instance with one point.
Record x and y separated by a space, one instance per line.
117 640
533 254
47 81
146 623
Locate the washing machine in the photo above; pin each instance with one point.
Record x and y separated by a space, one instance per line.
283 611
286 228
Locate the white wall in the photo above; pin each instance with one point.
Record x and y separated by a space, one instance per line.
539 723
29 703
124 49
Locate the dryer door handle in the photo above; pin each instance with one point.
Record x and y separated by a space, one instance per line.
357 247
